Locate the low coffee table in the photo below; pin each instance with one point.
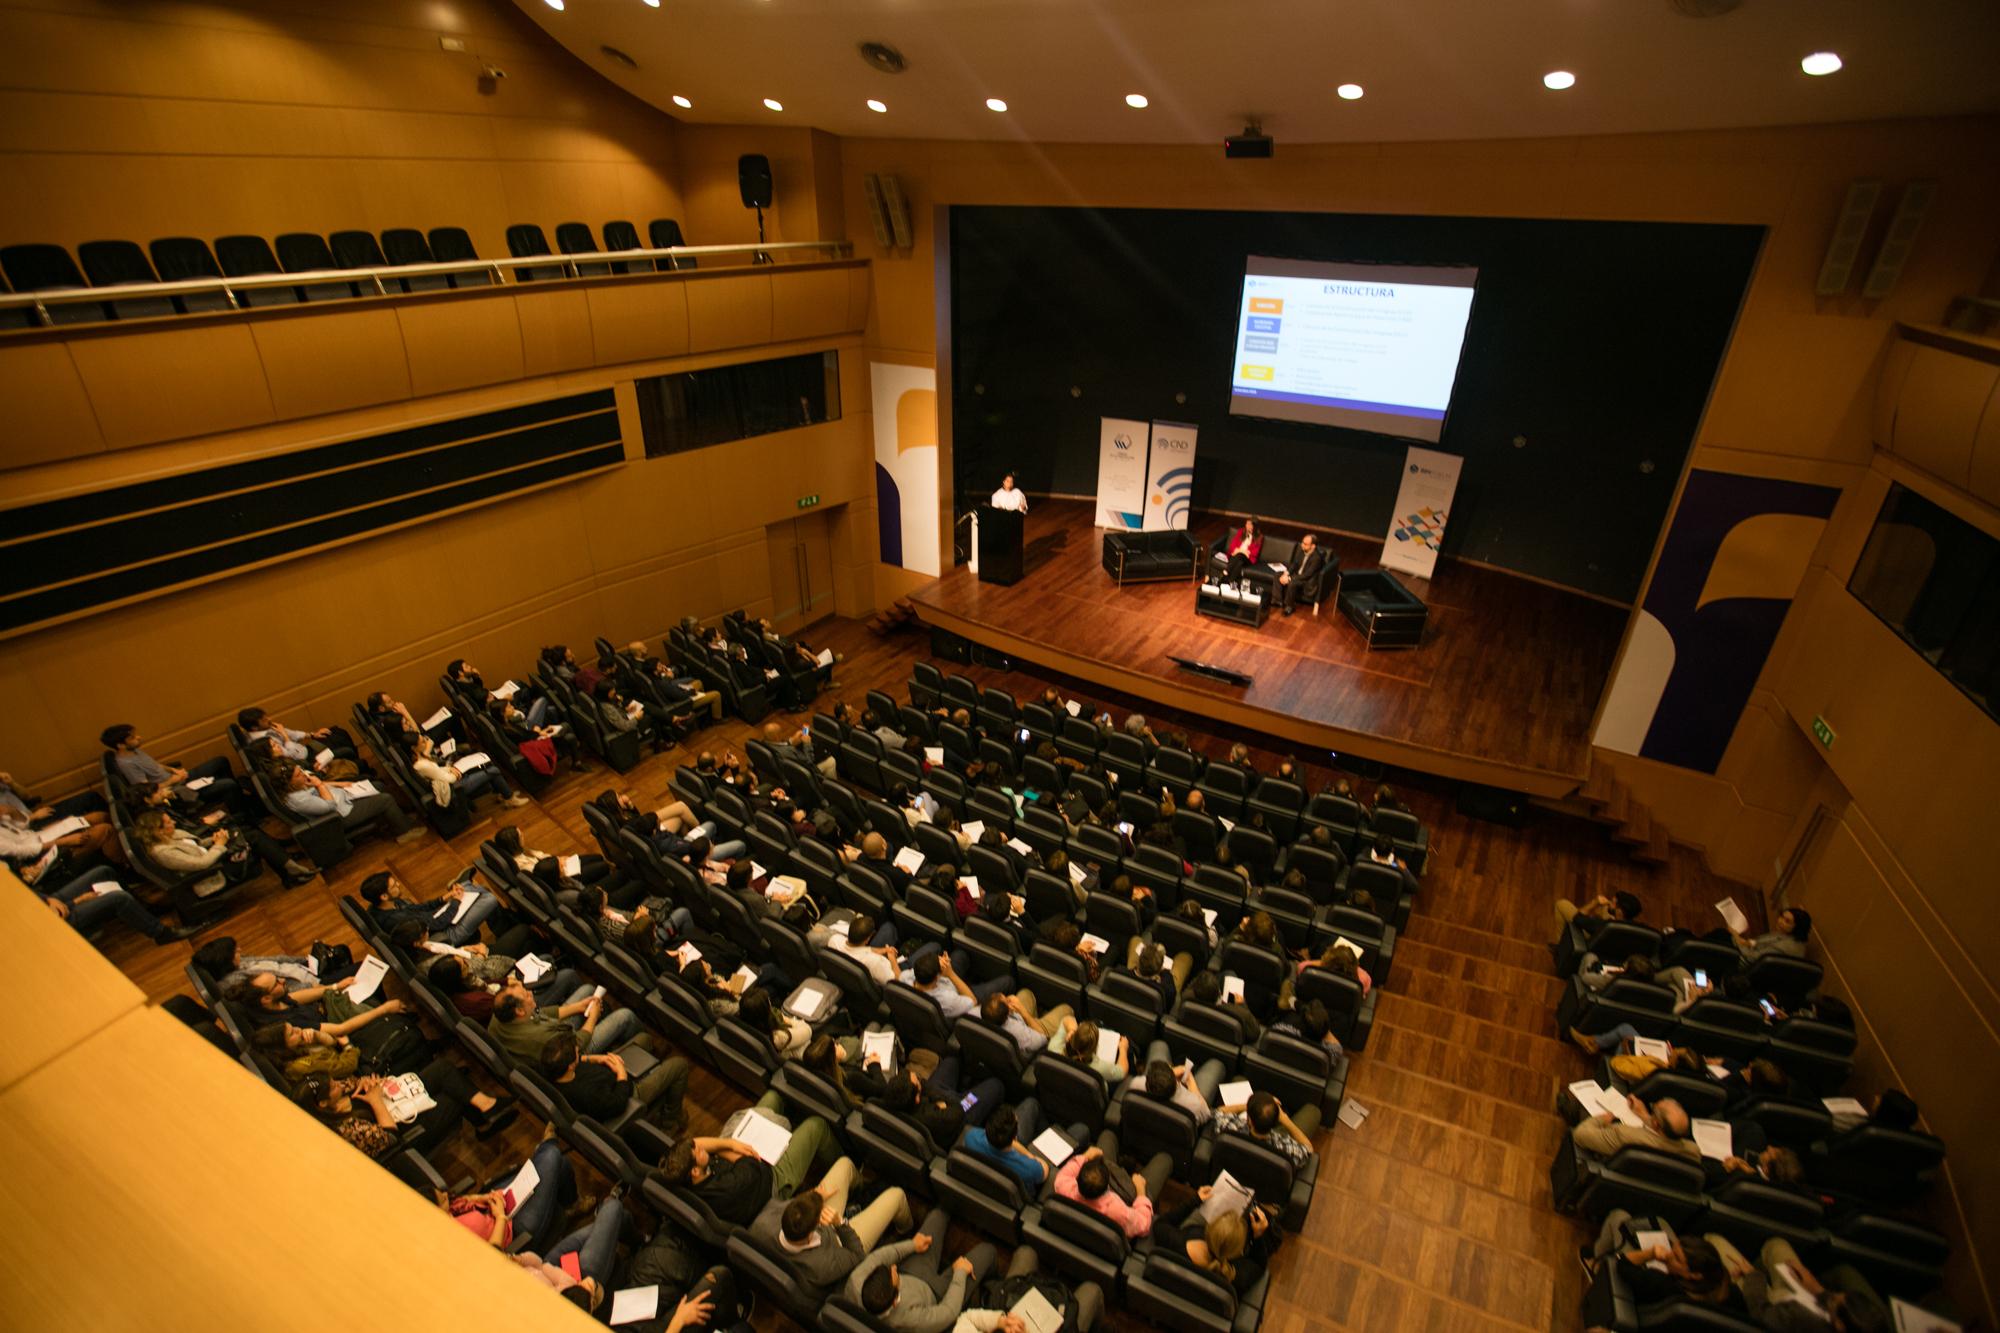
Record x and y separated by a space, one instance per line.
1224 601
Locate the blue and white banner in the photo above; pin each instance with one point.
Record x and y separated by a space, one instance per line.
1121 473
1423 505
1170 475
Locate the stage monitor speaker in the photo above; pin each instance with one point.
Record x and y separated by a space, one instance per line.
950 646
991 657
753 179
1495 805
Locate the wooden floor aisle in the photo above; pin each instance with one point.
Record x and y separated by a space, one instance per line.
1433 1216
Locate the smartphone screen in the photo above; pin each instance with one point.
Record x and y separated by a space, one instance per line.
1770 1010
1024 735
1124 828
1701 977
971 1099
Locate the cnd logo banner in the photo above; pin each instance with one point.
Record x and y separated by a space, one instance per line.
1170 475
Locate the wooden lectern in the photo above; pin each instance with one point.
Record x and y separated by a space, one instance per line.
1000 545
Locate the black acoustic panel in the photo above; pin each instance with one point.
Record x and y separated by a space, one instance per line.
140 496
83 551
216 560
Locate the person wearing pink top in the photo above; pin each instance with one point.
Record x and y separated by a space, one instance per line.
1092 1178
1245 548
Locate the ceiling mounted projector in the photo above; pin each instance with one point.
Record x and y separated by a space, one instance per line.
1253 142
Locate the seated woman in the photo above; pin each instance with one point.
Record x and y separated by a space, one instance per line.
617 714
1235 1247
301 747
91 898
299 1051
760 1013
611 924
449 779
1343 962
1078 1042
393 720
226 854
532 1220
96 841
1243 548
151 797
360 1110
473 983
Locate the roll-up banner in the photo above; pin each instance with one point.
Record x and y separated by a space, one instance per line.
1170 475
1121 473
1423 504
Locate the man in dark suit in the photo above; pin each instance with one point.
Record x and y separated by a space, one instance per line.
1310 569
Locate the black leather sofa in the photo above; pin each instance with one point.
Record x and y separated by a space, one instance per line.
1136 557
1277 551
1387 614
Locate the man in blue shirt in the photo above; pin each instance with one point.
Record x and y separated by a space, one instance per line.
1003 1141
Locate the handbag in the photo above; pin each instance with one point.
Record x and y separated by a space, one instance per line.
332 961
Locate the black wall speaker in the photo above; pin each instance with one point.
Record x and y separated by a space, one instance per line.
753 178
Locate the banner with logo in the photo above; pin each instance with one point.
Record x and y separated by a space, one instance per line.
1121 473
1170 475
1423 504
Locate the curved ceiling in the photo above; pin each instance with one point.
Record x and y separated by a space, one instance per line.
1430 69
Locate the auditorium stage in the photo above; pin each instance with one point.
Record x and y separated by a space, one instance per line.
1501 691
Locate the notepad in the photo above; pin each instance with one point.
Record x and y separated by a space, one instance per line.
1073 708
1227 1195
367 979
1236 1093
632 1304
687 953
1077 874
1352 1113
1107 1045
477 759
531 968
1652 1048
1715 1139
572 866
198 784
1342 942
464 906
743 979
364 788
322 759
447 748
881 1045
934 754
825 657
1098 944
1036 1314
1228 824
105 887
1646 1240
975 829
1843 1106
970 883
1021 847
909 860
62 829
1232 988
766 1137
522 1186
1732 916
1911 1319
507 689
437 719
1051 1144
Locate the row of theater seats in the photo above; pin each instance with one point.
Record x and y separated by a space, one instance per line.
48 268
1851 1208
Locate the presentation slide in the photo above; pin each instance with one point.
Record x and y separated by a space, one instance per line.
1369 346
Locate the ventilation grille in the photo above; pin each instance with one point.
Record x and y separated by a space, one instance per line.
63 558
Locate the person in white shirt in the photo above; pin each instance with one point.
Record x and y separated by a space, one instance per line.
880 960
445 779
1007 497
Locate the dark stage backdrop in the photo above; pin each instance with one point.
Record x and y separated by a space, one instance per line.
1596 341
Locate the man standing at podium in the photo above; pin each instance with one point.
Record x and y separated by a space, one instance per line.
1007 497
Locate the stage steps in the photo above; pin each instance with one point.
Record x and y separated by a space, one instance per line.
1611 803
898 616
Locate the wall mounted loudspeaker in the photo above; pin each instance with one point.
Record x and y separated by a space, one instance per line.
878 216
1837 269
753 178
1895 251
888 211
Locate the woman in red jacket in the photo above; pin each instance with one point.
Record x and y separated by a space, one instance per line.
1245 549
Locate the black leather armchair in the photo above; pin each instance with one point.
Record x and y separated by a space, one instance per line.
1387 614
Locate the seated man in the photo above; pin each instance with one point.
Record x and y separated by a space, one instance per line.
905 1286
208 783
1664 1127
1308 1022
1148 963
937 976
1264 1121
878 956
382 1030
222 960
96 896
1093 1177
735 1183
598 1086
1620 906
667 684
938 1107
1190 1089
306 793
301 747
1671 1270
816 1236
389 901
1205 990
1305 576
1843 1301
1015 1016
522 1028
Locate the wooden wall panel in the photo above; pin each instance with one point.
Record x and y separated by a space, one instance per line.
170 383
555 329
459 344
49 410
810 304
325 361
730 311
638 321
1938 412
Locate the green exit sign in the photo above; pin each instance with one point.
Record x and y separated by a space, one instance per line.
808 501
1822 732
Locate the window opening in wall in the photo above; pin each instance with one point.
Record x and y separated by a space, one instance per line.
698 408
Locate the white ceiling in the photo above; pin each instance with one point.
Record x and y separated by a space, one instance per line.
1432 69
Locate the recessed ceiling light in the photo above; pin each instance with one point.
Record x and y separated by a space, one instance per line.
877 105
1349 92
773 104
652 4
1821 62
555 4
1137 101
995 104
681 101
1558 79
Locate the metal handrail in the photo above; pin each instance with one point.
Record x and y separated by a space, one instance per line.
39 301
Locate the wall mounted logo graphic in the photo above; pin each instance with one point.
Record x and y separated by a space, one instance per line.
1176 487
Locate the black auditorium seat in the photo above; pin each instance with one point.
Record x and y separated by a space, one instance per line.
625 236
48 268
357 249
307 252
402 246
187 259
450 245
665 234
576 238
118 264
250 257
525 241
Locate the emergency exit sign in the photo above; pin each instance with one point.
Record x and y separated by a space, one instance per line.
1822 732
808 501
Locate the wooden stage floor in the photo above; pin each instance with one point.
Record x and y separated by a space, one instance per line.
1501 690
